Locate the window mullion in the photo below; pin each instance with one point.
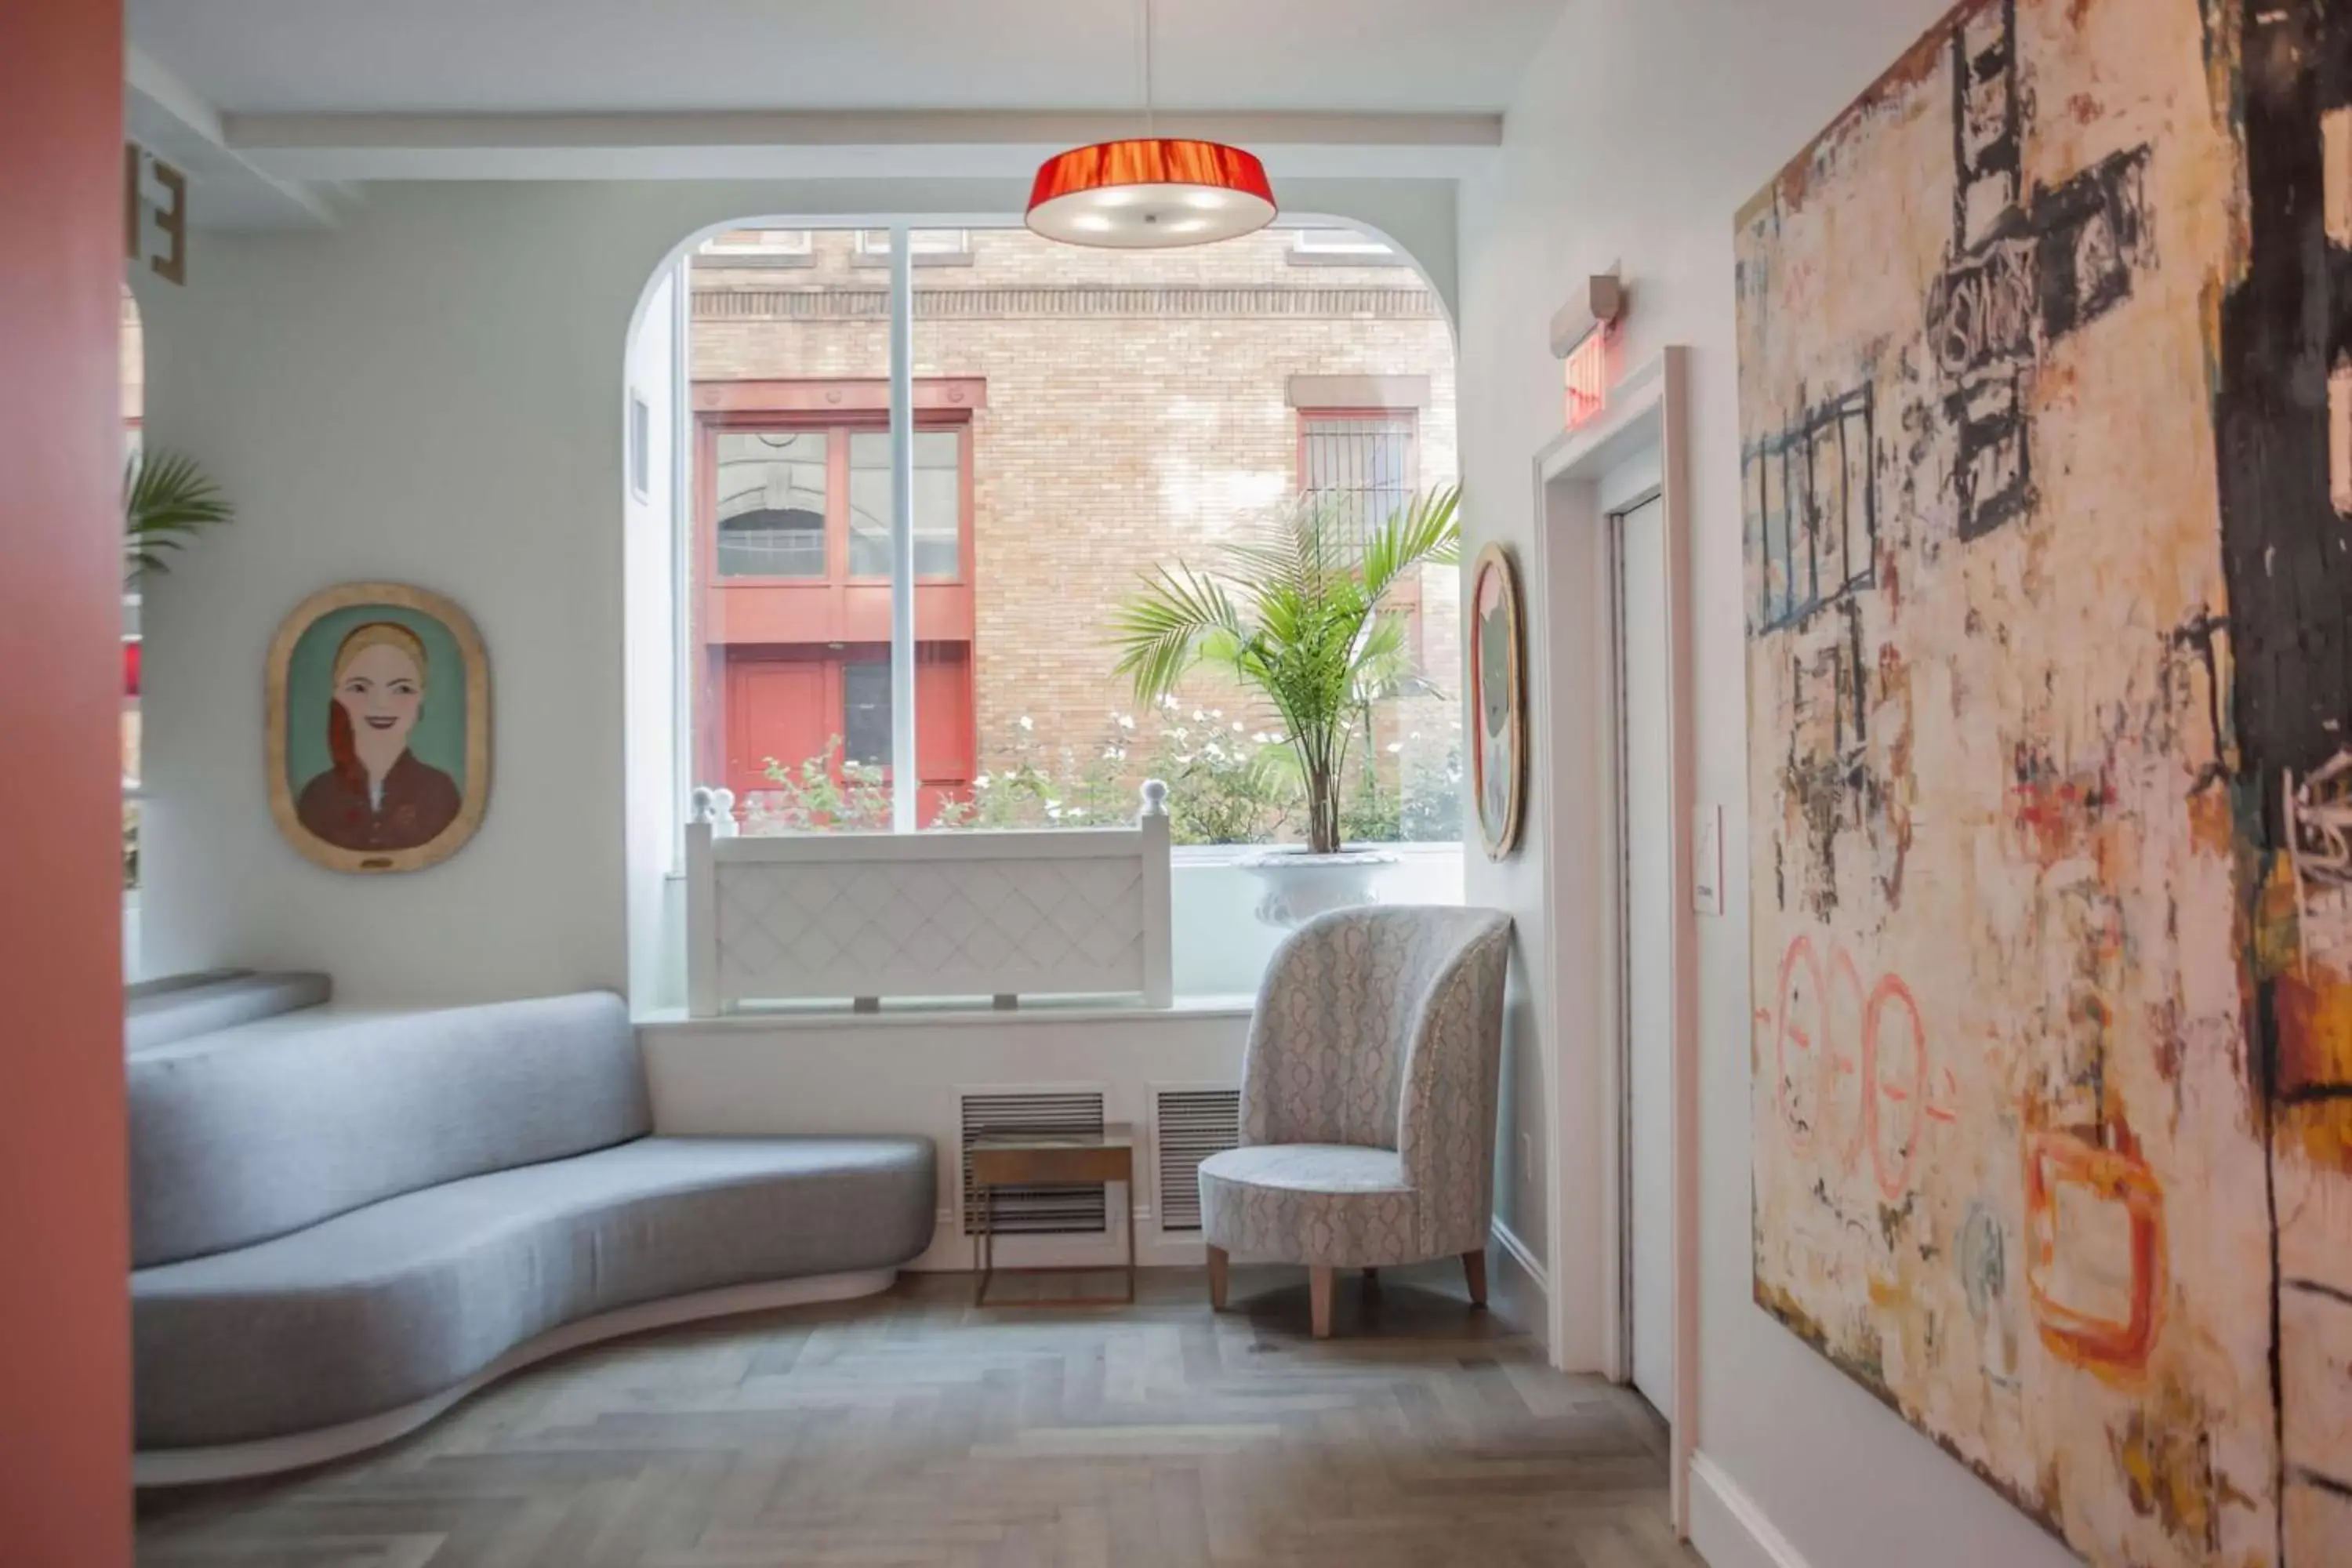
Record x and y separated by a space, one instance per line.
840 515
904 784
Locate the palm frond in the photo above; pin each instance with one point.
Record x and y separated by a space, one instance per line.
1164 630
1297 548
1425 532
1383 666
167 500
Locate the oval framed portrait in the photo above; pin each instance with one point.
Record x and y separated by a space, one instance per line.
379 728
1498 742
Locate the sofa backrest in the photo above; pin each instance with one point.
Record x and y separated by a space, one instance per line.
158 1012
253 1132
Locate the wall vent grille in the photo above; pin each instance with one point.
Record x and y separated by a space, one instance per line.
1190 1125
1035 1211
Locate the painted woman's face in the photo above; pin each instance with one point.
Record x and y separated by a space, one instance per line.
1495 672
382 690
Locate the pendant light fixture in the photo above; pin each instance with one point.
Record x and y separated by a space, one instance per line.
1150 192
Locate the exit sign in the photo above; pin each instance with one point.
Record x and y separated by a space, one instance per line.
1583 332
1588 379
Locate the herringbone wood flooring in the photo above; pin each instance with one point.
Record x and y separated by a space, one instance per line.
910 1429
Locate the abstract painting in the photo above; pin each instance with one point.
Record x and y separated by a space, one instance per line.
2047 419
379 713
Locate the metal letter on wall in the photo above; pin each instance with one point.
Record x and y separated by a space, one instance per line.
171 221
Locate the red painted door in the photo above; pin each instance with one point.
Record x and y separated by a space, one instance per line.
65 1230
791 705
776 711
943 737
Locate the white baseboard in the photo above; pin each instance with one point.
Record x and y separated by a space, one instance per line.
1727 1528
1518 1253
1521 1288
234 1461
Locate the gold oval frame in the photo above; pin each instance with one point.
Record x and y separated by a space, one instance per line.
1498 847
475 796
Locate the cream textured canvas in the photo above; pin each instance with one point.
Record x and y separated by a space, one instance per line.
2046 409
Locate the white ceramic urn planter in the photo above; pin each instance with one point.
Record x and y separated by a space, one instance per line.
1300 884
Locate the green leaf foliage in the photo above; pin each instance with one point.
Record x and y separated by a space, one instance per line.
1294 609
167 500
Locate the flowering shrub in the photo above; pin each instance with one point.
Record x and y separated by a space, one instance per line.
1227 783
819 794
1424 807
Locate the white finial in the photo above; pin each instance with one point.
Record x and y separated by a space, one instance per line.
1155 798
713 807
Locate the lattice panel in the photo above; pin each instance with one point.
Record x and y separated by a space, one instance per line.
918 928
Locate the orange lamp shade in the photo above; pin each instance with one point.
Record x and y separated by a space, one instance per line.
1150 193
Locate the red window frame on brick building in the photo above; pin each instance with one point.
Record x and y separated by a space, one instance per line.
1337 473
786 663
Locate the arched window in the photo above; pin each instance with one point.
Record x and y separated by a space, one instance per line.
771 503
1076 422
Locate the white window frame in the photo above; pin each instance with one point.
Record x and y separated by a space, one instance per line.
1343 243
929 247
773 242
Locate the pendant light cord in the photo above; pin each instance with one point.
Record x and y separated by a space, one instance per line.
1144 67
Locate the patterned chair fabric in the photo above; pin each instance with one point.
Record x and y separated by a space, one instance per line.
1369 1096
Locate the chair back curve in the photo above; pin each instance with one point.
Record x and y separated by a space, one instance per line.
1381 1026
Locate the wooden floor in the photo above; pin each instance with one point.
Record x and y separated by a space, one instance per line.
911 1430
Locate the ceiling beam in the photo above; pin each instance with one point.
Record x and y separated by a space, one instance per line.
857 128
818 145
164 114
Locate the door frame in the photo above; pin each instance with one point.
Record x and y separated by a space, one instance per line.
1614 511
1573 590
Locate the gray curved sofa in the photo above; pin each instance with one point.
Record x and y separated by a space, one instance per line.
343 1222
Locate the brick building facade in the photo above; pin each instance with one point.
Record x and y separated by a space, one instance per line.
1089 416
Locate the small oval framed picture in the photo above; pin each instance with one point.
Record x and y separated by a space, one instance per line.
379 739
1498 749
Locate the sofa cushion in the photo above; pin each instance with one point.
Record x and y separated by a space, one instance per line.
159 1012
254 1131
1339 1205
402 1300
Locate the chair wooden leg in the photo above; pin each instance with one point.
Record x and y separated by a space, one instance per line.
1220 1276
1318 1295
1473 1265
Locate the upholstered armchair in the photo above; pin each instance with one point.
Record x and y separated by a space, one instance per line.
1368 1102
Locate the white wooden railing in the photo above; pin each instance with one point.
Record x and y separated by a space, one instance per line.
868 915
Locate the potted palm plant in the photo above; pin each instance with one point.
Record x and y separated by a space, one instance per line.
1295 611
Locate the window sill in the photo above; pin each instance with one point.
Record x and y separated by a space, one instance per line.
754 260
1364 259
922 259
948 1014
1214 855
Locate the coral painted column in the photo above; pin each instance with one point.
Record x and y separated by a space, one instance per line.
65 1382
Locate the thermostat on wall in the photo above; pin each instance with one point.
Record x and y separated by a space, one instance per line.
1706 861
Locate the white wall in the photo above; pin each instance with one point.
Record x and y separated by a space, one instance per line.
904 1074
649 603
432 392
1643 126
